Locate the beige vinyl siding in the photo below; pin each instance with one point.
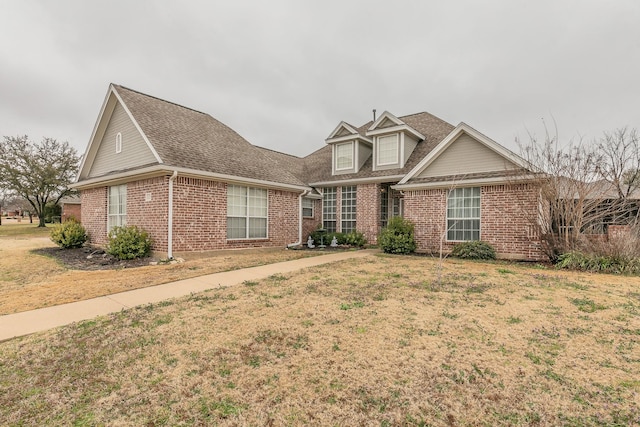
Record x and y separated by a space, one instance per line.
409 145
135 151
466 155
364 152
386 123
342 132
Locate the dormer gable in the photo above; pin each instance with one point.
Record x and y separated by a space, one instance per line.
349 148
393 141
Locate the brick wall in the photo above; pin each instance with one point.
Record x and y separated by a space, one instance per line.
71 210
148 208
310 224
199 219
368 211
505 220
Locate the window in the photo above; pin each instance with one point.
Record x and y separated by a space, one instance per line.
348 209
307 208
246 212
463 214
117 206
329 209
344 156
118 143
387 150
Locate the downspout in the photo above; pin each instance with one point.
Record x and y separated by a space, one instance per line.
170 218
304 193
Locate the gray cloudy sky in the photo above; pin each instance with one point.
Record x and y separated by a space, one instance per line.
284 73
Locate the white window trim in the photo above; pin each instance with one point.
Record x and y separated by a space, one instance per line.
335 152
248 216
335 208
118 143
479 218
312 207
397 149
122 187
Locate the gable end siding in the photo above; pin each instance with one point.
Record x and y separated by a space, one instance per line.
466 155
135 151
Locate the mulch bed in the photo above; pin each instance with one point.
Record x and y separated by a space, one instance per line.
90 258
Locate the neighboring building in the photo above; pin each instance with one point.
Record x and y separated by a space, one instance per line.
71 207
195 184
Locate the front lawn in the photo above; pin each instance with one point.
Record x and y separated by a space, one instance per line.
385 340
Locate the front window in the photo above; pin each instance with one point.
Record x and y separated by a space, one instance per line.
117 206
344 156
329 209
463 214
387 150
348 209
246 212
307 208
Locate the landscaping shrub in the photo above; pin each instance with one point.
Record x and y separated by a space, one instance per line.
355 238
473 250
397 237
68 235
128 242
592 262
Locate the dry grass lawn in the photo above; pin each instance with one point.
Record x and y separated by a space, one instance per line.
384 341
29 281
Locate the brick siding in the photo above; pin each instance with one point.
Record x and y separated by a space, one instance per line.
199 219
505 220
94 214
368 211
311 224
71 210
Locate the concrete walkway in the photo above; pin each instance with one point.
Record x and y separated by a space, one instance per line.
28 322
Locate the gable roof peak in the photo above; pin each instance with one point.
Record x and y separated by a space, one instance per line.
118 88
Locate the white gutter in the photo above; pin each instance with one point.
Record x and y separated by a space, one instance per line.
304 193
170 218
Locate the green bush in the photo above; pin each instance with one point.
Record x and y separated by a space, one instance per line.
128 242
70 234
594 263
355 238
476 249
397 237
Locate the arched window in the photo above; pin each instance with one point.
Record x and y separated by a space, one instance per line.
118 142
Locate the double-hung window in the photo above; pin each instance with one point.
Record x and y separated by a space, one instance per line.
344 156
117 206
387 150
348 216
463 214
246 212
329 209
307 207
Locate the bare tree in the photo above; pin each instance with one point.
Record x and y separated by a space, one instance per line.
582 186
619 163
39 173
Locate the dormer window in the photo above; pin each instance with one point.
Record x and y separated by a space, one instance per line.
387 150
118 143
344 156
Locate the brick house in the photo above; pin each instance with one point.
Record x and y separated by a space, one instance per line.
195 184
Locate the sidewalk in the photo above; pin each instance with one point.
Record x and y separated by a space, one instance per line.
28 322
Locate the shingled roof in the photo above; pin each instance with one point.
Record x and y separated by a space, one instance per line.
318 164
190 139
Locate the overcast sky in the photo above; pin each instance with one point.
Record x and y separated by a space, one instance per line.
283 73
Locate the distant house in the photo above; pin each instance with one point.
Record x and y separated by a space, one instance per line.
195 184
71 207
